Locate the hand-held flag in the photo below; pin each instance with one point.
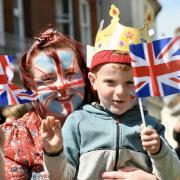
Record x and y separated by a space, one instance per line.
156 67
11 94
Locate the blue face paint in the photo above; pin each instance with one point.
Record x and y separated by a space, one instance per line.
66 59
60 86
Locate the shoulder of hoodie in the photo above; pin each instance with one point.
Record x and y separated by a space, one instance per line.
78 115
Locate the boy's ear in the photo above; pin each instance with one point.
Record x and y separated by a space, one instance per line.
92 79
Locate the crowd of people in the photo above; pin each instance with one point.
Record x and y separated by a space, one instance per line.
85 123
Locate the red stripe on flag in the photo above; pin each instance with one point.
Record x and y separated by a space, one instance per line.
169 47
175 79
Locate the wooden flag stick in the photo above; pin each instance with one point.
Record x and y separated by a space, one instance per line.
142 112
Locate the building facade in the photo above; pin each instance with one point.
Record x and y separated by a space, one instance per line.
21 20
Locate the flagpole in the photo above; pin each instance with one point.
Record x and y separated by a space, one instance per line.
142 112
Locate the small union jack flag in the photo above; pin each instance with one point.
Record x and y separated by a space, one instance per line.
11 94
156 67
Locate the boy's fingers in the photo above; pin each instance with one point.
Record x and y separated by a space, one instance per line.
148 131
149 137
114 175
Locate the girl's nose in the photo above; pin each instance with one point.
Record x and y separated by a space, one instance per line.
62 92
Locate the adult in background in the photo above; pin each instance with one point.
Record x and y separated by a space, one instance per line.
2 167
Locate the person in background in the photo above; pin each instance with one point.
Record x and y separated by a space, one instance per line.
2 166
176 135
14 112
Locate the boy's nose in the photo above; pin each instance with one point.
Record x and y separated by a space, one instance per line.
120 90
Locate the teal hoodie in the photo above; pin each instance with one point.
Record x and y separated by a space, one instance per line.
95 140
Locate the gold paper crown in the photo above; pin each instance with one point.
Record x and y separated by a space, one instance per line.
119 37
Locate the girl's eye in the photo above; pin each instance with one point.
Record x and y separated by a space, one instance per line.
69 75
45 81
49 80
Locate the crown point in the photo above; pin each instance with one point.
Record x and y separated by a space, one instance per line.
149 18
114 11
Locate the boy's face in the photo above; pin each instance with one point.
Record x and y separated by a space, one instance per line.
115 87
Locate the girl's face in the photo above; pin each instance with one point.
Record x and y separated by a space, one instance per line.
59 83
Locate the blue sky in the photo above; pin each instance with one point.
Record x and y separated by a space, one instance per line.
168 18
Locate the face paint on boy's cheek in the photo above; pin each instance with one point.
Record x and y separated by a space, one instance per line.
133 95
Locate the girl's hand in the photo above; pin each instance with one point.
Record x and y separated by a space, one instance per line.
51 135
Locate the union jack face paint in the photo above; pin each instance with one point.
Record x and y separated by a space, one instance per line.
59 82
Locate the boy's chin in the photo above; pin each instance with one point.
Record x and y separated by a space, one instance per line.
118 111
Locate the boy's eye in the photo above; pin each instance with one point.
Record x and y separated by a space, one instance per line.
130 82
109 82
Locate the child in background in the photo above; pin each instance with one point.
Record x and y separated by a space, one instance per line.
176 135
106 136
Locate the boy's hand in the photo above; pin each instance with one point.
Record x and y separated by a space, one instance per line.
150 139
51 135
128 173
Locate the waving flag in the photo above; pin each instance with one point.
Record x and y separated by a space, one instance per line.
11 94
6 68
156 67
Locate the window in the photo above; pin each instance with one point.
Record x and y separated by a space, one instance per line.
18 18
2 40
64 16
85 22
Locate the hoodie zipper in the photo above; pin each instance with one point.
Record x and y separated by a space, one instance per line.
117 120
117 144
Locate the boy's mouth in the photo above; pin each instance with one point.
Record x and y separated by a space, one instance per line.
118 101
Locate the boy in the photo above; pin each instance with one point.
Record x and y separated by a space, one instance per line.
107 136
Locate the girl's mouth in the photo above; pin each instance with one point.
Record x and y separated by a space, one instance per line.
63 98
